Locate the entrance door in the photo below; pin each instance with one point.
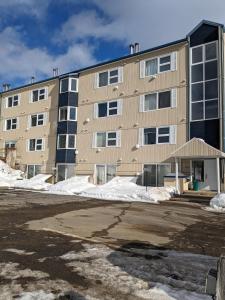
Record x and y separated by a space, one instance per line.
65 171
204 171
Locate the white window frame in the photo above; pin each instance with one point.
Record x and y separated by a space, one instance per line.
173 56
37 115
172 135
12 123
36 144
10 142
34 165
204 61
173 100
13 101
67 141
120 76
39 89
106 168
118 137
109 108
163 135
154 164
69 89
66 170
68 113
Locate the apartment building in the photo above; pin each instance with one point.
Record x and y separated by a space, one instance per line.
143 115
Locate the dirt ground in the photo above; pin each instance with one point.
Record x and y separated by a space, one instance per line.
55 245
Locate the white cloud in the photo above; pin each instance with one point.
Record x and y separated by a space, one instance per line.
35 8
18 61
150 22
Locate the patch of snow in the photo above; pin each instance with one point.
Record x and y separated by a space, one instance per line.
71 186
37 182
125 189
18 251
38 295
217 203
8 175
144 273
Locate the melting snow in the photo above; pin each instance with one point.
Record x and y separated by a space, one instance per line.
8 176
37 182
39 295
217 204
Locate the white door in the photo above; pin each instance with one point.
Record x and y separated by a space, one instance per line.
210 175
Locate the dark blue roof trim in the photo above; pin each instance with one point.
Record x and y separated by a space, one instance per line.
207 23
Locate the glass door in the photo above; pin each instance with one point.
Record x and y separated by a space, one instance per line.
111 172
150 177
162 170
100 174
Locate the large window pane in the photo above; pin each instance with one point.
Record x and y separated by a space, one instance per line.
64 85
150 175
197 55
210 51
211 109
150 102
63 114
62 141
100 174
211 89
164 130
197 111
73 86
162 170
103 79
164 99
71 141
151 67
72 113
197 92
110 172
101 139
149 136
33 120
197 73
211 70
102 110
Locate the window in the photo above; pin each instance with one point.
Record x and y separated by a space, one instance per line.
36 144
154 174
158 100
65 171
104 173
38 95
66 141
33 170
10 144
12 101
68 85
11 124
204 82
157 135
109 77
36 120
158 65
67 113
107 109
107 139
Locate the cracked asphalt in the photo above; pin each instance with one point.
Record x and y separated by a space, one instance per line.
52 225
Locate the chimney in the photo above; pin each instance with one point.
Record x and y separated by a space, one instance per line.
55 72
131 48
136 47
6 87
32 79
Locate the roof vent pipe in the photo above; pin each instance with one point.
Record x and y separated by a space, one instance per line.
6 87
136 47
131 48
55 72
32 79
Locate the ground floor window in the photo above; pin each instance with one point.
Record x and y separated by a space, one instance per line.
104 173
10 144
33 170
154 174
65 171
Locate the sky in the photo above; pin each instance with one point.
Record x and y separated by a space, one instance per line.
39 35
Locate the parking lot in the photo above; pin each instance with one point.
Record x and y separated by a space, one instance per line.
55 244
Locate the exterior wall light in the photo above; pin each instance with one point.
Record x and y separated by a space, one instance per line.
76 151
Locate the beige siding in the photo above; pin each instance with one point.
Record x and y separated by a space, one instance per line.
129 159
46 158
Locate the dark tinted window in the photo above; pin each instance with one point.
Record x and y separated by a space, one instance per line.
197 73
149 136
197 111
210 51
164 130
103 79
211 89
163 139
197 55
197 92
102 109
64 85
211 70
164 99
211 109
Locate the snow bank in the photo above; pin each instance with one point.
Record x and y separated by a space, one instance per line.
217 203
35 183
73 185
38 295
8 175
125 189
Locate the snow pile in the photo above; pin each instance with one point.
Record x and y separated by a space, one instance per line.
39 295
217 203
8 175
125 189
37 182
73 185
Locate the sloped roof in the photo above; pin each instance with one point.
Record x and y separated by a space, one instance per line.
197 148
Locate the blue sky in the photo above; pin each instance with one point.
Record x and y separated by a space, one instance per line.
38 35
